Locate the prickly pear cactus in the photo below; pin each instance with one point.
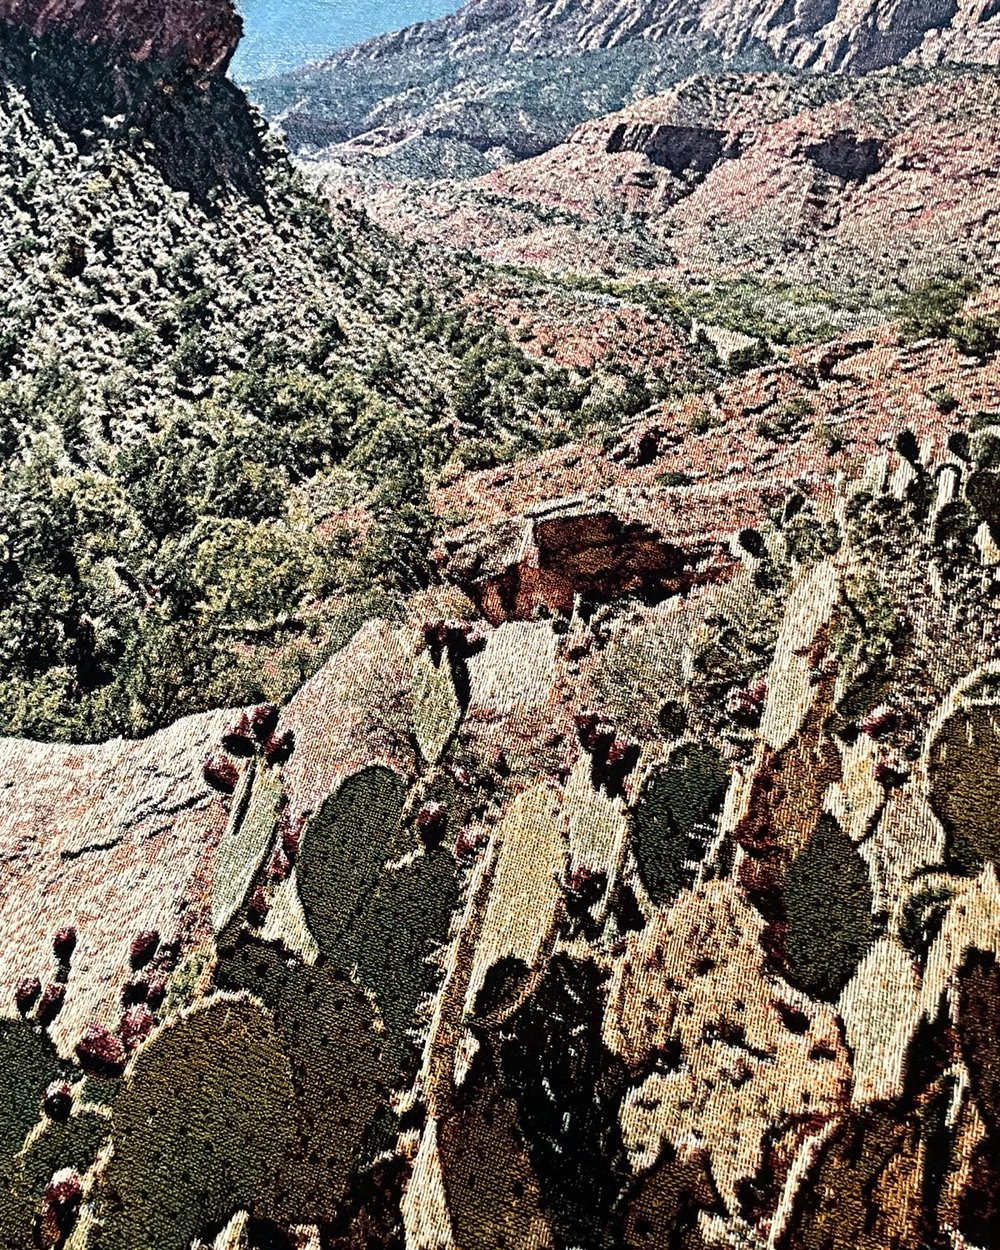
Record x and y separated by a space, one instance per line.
408 918
436 709
246 841
28 1063
344 852
493 1197
519 919
50 1148
328 1030
674 812
199 1128
964 771
828 905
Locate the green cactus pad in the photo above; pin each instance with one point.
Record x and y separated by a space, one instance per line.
964 770
246 841
328 1029
344 852
50 1148
436 709
828 904
674 800
409 916
28 1062
200 1127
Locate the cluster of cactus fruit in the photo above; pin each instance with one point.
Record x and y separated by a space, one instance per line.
253 734
613 754
47 1001
99 1051
746 704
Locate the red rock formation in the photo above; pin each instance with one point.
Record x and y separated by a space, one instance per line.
202 34
515 570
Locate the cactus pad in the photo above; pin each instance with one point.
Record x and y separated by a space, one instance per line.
200 1127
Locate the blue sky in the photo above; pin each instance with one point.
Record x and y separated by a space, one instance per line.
281 34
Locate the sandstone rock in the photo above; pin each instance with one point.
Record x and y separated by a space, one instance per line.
115 838
567 550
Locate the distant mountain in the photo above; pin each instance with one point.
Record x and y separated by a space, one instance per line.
521 74
852 35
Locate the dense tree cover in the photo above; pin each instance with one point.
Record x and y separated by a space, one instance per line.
142 579
219 426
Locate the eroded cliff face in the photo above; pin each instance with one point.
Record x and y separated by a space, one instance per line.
199 34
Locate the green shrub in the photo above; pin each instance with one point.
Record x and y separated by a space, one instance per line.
942 399
753 356
790 419
977 336
931 310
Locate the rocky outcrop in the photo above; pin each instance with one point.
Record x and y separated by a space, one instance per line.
199 34
569 550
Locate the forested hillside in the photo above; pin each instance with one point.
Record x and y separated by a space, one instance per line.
222 407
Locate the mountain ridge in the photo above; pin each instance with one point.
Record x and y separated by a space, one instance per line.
852 35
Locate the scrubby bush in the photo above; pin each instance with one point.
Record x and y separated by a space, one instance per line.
931 310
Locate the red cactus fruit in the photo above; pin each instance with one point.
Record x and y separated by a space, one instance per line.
435 633
887 775
136 1025
464 638
64 943
431 822
100 1053
168 956
280 865
58 1102
143 947
469 843
263 720
291 835
60 1207
135 991
620 749
593 730
239 737
50 1004
221 774
257 907
26 994
279 747
746 706
879 720
584 886
156 993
